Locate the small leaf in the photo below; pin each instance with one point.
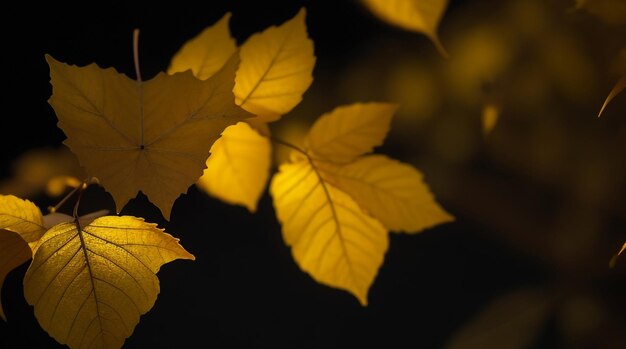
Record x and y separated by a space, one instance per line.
152 137
349 131
238 167
276 69
511 322
392 192
21 217
420 16
206 53
619 87
331 238
21 223
102 276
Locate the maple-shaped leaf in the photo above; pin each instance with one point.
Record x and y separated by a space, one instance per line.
21 223
392 192
422 16
279 63
336 205
90 284
151 136
331 238
619 87
238 167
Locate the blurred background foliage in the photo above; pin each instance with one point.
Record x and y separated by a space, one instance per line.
539 193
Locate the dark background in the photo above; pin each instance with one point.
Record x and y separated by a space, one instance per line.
539 203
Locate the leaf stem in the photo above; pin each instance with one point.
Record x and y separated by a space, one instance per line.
81 189
139 81
53 209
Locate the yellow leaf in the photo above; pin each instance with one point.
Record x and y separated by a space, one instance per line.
511 322
331 238
206 53
420 16
238 167
152 136
276 69
350 131
20 223
392 192
490 116
13 252
89 286
619 87
21 217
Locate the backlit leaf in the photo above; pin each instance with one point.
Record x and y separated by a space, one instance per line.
152 137
238 167
330 237
619 87
276 69
206 53
392 192
21 217
420 16
90 285
350 131
21 223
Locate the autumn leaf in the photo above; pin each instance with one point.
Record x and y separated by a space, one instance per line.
390 191
276 69
238 167
278 63
420 16
619 87
205 54
103 278
151 136
21 223
336 205
349 131
331 238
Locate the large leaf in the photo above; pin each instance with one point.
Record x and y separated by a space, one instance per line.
238 167
206 53
392 192
152 137
276 69
420 16
349 131
90 284
331 238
